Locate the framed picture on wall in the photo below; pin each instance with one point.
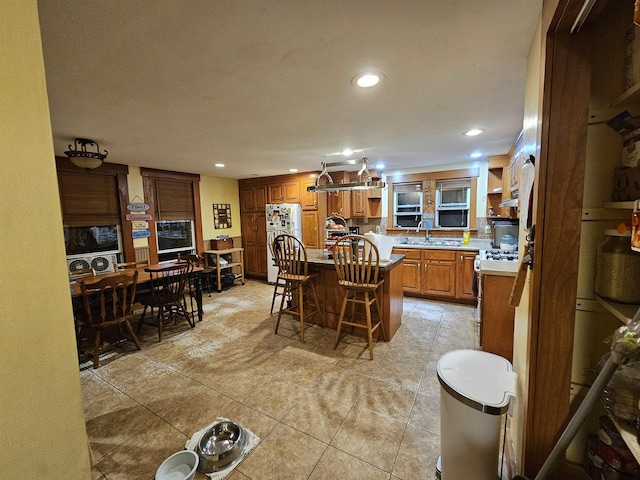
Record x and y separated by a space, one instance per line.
222 215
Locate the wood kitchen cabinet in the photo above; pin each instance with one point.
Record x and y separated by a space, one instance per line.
439 273
253 198
310 237
464 274
339 203
496 315
308 200
411 269
254 241
284 192
443 274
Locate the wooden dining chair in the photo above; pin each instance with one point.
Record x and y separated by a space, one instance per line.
134 264
167 294
291 258
84 272
207 271
356 259
106 302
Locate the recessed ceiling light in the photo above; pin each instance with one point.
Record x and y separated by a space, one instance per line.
476 155
473 132
367 79
346 152
219 165
293 170
380 166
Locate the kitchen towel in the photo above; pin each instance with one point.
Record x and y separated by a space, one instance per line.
252 441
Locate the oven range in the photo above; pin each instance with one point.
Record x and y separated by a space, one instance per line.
488 259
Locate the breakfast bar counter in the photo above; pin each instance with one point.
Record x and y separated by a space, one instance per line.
330 294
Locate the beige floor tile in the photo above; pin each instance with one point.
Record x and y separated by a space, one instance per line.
253 420
370 437
318 415
284 454
275 397
296 397
230 378
404 374
140 456
236 475
199 410
336 464
342 384
302 372
417 456
425 413
387 400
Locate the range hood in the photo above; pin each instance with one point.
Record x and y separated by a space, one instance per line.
512 202
363 182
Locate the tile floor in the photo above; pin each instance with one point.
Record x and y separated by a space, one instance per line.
320 413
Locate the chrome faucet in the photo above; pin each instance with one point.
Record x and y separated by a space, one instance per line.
422 223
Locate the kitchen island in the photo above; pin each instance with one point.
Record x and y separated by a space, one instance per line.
496 315
330 294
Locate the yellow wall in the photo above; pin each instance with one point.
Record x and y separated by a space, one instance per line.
531 146
42 430
212 190
219 190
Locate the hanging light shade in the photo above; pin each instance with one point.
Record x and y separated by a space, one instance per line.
83 158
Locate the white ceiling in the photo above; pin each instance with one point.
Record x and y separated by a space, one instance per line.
264 86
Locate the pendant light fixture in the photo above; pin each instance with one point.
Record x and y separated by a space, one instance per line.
83 158
363 182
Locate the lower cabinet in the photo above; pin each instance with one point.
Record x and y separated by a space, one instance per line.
310 229
254 230
439 273
446 274
496 315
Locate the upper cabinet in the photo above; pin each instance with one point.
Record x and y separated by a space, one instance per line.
309 200
287 191
498 186
253 198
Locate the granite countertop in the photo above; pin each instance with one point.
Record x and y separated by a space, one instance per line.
474 246
499 267
321 257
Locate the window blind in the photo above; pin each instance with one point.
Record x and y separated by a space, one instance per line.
454 183
88 199
407 187
174 200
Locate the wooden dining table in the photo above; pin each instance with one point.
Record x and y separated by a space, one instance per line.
144 282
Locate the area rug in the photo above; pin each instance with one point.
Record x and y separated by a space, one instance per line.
252 441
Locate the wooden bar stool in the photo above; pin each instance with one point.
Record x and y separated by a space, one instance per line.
356 260
279 286
291 258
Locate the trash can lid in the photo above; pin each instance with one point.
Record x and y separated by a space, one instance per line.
481 380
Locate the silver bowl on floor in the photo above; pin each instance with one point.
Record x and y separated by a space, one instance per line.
219 446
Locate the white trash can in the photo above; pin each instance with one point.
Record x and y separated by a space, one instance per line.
475 390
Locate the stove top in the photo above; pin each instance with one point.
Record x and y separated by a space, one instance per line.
498 254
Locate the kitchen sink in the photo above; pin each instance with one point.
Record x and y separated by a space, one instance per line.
432 243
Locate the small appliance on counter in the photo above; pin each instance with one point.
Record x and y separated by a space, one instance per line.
505 234
354 230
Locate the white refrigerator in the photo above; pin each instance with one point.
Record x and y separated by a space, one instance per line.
281 218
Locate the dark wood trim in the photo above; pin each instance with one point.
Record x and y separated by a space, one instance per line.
148 177
443 175
121 172
128 252
198 213
63 164
558 196
150 199
152 172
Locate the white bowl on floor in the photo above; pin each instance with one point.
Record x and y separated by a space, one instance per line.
179 466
